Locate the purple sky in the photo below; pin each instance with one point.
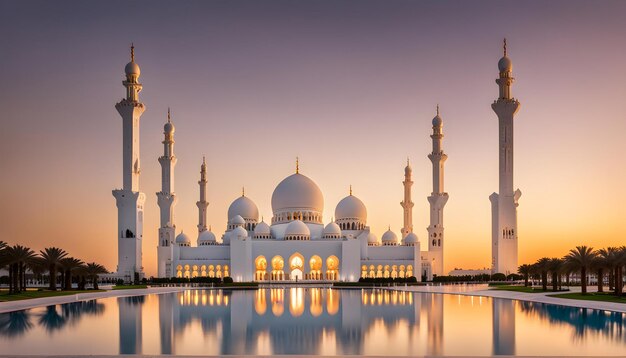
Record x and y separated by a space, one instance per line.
349 86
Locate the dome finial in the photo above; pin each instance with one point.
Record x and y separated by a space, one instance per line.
297 165
437 108
350 189
408 164
169 118
504 46
209 227
132 52
243 191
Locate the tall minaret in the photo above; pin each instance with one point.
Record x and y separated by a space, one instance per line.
504 204
437 199
202 203
407 204
129 199
166 199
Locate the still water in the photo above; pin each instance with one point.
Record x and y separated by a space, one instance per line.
311 321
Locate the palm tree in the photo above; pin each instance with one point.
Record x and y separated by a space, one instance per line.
525 271
620 263
555 266
18 257
37 266
69 265
52 257
93 270
602 261
542 266
581 258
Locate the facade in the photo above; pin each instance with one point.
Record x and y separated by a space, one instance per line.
504 203
295 245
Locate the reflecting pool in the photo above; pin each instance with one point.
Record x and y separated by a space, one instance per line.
312 321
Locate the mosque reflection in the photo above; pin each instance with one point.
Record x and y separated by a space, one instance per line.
318 321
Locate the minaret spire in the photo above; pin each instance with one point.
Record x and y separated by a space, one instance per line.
437 199
297 165
132 52
350 189
130 200
202 203
504 47
407 203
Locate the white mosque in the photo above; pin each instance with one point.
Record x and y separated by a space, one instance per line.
295 245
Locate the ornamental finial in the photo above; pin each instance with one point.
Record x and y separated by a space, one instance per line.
297 165
408 163
504 46
350 189
132 52
169 118
203 160
437 108
243 191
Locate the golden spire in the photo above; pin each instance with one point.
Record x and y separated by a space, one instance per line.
243 191
169 119
504 47
297 165
209 227
350 189
203 160
437 108
408 164
132 52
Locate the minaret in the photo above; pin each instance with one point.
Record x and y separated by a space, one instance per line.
437 199
202 203
407 204
504 204
166 199
129 199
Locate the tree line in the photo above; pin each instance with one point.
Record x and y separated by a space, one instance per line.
61 267
604 263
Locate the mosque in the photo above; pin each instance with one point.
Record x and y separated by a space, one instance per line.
295 245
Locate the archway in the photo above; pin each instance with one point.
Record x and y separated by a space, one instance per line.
316 267
296 266
278 264
332 268
260 266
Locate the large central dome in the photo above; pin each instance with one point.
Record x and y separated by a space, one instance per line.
297 192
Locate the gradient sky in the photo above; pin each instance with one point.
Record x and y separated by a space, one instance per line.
348 86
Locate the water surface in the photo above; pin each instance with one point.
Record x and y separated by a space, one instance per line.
312 321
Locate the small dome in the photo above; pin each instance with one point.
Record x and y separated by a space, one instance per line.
262 229
205 237
389 237
332 230
505 64
182 238
132 69
169 127
297 227
239 232
411 238
351 207
245 208
237 220
297 192
371 238
437 121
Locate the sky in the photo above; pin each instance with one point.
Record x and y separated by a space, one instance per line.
349 87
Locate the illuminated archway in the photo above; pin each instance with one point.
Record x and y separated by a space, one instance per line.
260 266
278 264
332 268
296 266
179 271
316 267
